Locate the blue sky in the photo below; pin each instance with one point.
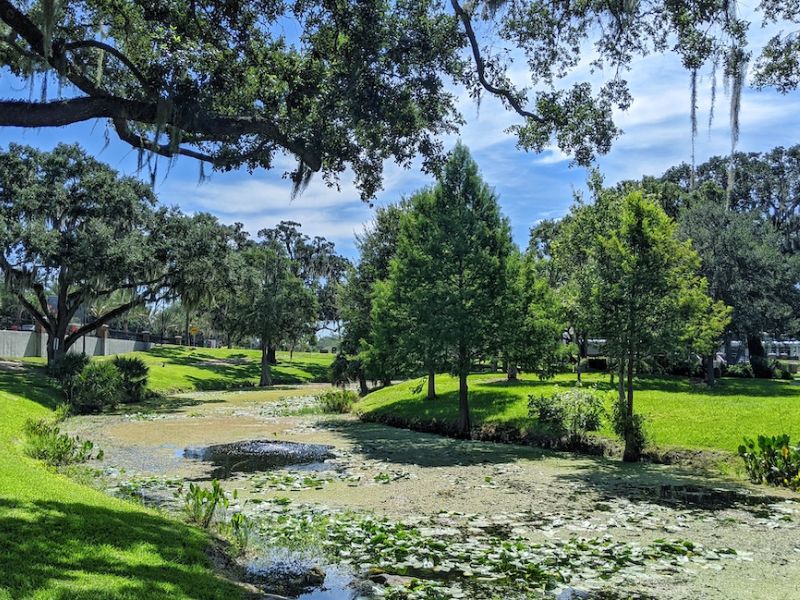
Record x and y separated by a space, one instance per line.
530 186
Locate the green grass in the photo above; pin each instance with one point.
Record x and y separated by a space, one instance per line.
61 540
183 369
679 413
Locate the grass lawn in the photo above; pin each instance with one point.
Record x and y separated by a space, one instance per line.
183 369
59 539
679 413
175 368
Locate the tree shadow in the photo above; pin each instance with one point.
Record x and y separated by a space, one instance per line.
32 383
403 446
56 548
661 484
236 370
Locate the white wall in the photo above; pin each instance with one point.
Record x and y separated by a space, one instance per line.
18 344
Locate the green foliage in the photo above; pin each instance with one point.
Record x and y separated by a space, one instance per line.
200 504
648 298
772 460
340 370
241 529
743 369
742 259
98 386
447 280
533 320
133 377
337 401
44 441
71 224
66 371
572 413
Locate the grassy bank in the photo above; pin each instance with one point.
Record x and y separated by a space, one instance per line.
63 540
679 413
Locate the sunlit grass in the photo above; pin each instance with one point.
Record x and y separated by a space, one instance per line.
679 413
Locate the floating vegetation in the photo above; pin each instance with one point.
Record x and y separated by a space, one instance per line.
452 555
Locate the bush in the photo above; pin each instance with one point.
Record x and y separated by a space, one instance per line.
772 460
337 401
66 371
99 385
44 441
133 375
744 370
572 413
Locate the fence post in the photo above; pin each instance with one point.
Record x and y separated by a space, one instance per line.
102 333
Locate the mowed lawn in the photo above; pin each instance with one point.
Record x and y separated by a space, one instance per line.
177 368
183 368
59 539
679 413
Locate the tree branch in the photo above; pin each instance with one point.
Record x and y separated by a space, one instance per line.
114 52
89 327
35 313
189 117
480 66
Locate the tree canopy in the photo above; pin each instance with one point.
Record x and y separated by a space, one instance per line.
72 229
348 85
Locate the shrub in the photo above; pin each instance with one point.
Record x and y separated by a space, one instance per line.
337 401
44 441
201 504
772 460
99 385
573 412
133 375
743 369
66 371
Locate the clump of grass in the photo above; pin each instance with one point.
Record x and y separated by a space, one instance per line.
44 441
337 401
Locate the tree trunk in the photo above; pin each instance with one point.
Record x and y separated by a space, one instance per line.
362 382
464 423
55 349
431 383
708 362
266 375
631 452
512 372
188 339
758 356
273 360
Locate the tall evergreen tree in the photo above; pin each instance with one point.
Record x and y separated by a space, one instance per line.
451 257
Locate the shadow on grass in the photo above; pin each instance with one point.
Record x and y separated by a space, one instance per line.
55 548
403 446
32 383
236 369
